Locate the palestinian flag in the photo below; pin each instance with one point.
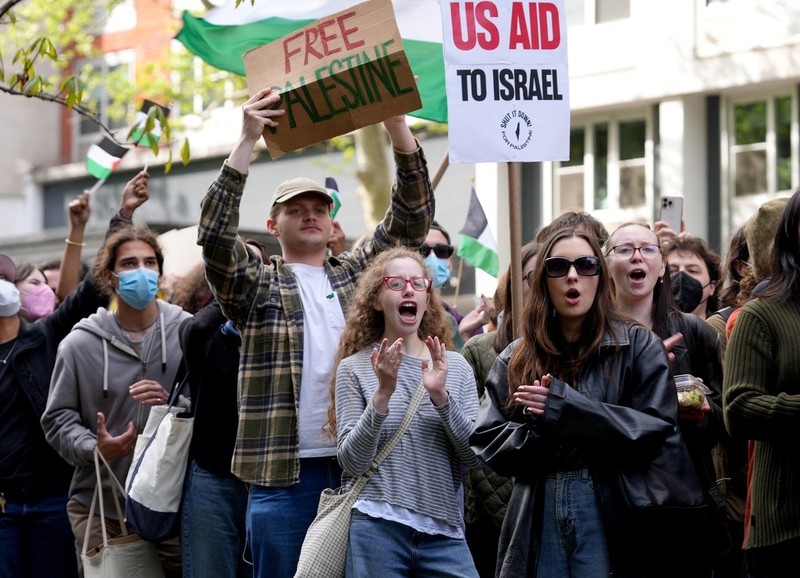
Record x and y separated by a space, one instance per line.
225 33
140 136
478 246
333 191
102 158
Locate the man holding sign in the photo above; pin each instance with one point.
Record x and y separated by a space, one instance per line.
290 312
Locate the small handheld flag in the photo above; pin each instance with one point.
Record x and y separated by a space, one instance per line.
333 191
147 124
478 246
102 158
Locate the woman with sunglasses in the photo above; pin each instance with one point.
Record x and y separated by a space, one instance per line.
579 397
642 289
407 520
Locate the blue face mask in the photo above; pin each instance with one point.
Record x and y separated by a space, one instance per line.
138 288
438 269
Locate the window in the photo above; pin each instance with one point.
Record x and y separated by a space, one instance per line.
607 167
109 70
761 151
597 11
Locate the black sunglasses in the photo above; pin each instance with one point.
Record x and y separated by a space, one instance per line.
441 250
588 266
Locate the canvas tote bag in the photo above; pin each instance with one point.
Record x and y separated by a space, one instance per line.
324 550
155 480
124 556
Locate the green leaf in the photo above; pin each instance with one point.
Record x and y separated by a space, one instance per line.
185 152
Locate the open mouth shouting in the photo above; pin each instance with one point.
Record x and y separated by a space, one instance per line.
573 296
408 311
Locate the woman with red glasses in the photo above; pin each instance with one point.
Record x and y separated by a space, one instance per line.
579 398
407 520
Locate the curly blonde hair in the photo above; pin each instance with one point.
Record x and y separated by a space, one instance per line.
366 325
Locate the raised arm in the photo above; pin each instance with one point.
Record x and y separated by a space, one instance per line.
135 194
69 270
257 114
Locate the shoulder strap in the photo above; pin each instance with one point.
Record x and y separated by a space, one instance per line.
392 441
386 448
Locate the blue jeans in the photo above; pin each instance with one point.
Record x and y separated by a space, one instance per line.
278 518
573 536
36 539
383 548
213 534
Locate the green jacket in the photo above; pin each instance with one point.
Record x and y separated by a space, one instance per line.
487 494
761 402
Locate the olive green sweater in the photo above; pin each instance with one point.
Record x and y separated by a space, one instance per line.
761 401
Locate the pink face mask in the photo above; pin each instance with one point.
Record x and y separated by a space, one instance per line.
38 302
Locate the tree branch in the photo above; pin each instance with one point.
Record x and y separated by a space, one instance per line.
7 6
82 110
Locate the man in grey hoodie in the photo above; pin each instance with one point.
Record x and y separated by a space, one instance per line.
110 370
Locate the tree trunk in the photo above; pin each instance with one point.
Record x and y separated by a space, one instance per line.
372 169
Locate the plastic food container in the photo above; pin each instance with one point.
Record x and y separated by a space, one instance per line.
691 391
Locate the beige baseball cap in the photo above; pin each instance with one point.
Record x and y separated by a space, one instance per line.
293 187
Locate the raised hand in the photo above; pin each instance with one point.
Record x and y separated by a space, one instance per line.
135 194
434 371
386 363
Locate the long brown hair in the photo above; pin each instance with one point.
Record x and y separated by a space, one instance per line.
542 346
365 324
107 256
505 332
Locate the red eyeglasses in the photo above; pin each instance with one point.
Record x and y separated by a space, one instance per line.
396 283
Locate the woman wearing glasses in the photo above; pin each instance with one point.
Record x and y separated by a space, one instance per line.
407 520
581 396
642 287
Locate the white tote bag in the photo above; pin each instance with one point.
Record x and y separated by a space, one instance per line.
155 480
124 556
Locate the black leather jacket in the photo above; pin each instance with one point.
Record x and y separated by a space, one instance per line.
619 416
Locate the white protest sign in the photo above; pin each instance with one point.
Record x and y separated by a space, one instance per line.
507 80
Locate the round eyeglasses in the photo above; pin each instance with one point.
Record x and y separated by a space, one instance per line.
588 266
396 283
626 251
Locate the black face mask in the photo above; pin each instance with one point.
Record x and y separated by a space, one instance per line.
686 291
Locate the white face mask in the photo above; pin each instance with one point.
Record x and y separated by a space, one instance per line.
9 299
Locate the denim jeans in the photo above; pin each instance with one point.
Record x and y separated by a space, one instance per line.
573 536
213 536
278 518
36 540
382 548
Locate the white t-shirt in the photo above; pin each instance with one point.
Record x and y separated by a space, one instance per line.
323 321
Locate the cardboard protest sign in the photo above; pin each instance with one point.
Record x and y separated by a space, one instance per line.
507 80
334 75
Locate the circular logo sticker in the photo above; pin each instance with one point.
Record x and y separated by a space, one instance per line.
516 129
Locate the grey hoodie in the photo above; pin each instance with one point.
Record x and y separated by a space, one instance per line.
95 366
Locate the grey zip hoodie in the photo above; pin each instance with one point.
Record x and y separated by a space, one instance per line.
95 366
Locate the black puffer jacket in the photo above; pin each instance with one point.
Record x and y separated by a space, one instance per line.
619 417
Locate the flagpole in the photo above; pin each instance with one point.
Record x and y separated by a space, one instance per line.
96 186
443 164
458 276
515 236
